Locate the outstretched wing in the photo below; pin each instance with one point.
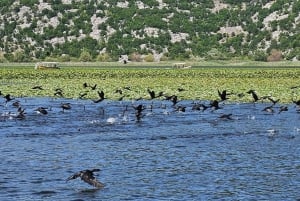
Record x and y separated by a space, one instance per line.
92 181
74 176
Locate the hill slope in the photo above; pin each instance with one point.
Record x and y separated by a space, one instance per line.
105 29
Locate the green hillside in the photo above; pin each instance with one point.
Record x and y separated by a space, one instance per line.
102 30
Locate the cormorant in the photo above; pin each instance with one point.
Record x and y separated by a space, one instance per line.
66 106
101 97
254 95
88 177
8 98
223 95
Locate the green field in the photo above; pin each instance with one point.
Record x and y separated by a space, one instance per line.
198 83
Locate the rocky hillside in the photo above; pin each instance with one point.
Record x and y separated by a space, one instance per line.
149 29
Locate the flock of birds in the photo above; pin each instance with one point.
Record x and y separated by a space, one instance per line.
213 105
223 95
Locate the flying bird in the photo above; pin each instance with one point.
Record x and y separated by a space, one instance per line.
254 95
88 177
38 87
101 97
223 95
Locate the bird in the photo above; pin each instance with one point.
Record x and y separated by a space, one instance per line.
21 113
82 95
226 116
172 98
254 95
88 177
282 109
16 104
180 89
138 111
66 106
199 106
180 108
119 91
101 97
85 85
151 93
268 109
223 95
215 105
8 98
273 101
42 110
94 87
297 102
58 92
38 87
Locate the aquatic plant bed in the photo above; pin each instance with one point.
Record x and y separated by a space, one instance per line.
133 83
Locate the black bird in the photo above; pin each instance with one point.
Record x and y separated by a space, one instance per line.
21 113
223 95
138 111
297 102
121 98
215 105
254 95
8 98
282 109
127 88
172 98
273 101
85 85
199 106
101 97
226 116
66 106
58 92
42 110
180 89
38 87
16 104
94 87
151 93
82 95
180 108
88 177
295 87
268 109
119 91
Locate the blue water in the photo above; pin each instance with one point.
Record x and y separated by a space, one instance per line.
168 155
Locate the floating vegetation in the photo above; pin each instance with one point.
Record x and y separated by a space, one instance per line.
196 83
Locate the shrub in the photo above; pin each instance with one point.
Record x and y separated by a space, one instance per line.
2 58
103 57
149 58
275 55
135 57
85 56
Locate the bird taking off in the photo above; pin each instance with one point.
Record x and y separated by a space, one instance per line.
88 177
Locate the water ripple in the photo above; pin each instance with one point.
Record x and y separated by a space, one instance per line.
168 155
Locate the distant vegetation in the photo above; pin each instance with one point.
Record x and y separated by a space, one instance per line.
149 30
194 84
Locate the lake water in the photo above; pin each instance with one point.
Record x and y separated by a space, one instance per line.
167 155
